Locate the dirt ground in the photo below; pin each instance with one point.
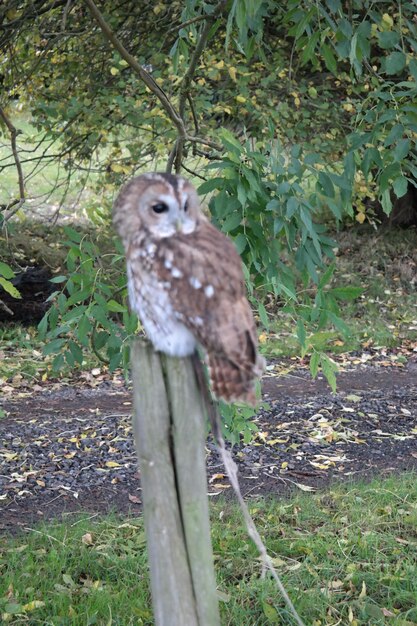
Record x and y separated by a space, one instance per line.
70 449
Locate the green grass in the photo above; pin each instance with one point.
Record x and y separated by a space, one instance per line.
45 182
347 556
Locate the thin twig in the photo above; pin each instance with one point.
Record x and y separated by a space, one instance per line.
193 20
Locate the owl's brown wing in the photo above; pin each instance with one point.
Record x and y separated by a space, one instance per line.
207 292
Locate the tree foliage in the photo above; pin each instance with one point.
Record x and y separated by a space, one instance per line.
281 110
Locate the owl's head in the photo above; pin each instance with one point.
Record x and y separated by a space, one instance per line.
158 203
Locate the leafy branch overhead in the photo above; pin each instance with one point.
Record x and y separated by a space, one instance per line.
288 114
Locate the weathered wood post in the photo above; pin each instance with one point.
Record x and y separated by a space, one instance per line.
169 426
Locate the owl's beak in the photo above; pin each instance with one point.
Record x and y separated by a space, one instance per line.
178 225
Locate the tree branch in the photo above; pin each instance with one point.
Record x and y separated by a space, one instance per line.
22 197
142 73
193 20
189 75
177 117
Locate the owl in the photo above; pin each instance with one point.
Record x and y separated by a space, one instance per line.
185 282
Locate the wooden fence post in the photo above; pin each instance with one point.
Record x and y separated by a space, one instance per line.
169 426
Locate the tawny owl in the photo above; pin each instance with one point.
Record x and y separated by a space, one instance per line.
186 283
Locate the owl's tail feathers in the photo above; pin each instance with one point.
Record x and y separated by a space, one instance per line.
233 382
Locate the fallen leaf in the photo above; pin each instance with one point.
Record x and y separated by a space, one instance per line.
112 464
353 398
216 477
304 487
31 606
134 499
87 539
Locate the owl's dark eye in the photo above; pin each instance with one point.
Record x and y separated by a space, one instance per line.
186 206
160 207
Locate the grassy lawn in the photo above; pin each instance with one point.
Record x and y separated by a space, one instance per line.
347 556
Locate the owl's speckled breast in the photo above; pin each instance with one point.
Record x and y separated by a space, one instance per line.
149 299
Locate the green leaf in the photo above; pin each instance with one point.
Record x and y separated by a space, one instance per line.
240 242
83 328
291 206
395 133
79 296
329 369
263 315
76 352
230 142
58 279
388 39
6 270
72 234
314 363
386 202
115 362
400 186
329 58
412 66
271 613
54 346
395 63
346 293
326 184
115 307
43 326
210 185
301 333
326 276
401 149
11 608
231 222
10 288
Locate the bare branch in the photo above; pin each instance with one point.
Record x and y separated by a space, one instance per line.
13 134
193 20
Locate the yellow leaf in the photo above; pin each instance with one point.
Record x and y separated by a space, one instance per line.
31 606
219 65
284 465
387 21
112 464
363 590
240 99
9 456
114 71
232 73
116 167
216 477
360 217
262 338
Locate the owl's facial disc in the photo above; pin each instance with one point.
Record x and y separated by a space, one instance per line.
162 213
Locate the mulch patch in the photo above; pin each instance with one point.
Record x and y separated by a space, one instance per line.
71 449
